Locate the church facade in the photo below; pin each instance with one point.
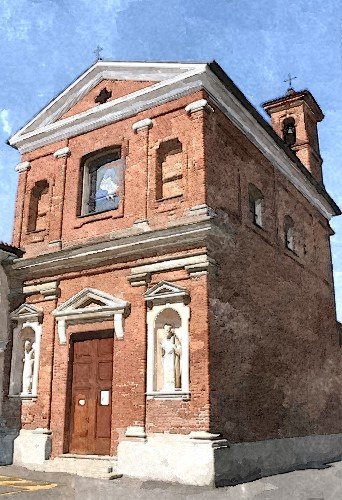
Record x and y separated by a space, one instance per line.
174 307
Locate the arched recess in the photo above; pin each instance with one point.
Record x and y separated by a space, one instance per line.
167 318
289 131
25 351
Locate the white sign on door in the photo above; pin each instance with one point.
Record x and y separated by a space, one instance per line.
104 399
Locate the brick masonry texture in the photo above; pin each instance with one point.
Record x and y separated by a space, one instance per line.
264 351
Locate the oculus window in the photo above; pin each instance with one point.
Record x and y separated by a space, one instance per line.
103 181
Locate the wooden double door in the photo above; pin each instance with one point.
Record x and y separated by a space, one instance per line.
91 395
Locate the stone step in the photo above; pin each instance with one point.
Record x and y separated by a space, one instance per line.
97 466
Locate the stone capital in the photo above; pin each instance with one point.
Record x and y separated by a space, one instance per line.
62 153
142 125
22 167
199 105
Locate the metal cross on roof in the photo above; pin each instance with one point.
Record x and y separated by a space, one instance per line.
290 78
97 53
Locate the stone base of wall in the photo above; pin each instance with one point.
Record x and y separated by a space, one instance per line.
190 460
7 437
249 461
187 459
32 447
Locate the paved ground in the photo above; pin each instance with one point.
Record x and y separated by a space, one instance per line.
310 484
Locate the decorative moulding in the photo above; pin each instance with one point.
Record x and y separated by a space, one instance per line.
27 313
90 305
202 210
49 290
62 153
22 167
142 125
165 292
139 279
174 81
200 105
201 268
194 265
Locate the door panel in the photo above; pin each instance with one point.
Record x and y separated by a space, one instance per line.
91 396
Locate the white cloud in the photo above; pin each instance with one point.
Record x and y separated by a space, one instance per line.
5 124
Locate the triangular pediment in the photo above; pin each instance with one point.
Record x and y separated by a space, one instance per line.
87 300
123 78
109 90
26 311
165 289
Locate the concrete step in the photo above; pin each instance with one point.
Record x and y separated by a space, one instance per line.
97 466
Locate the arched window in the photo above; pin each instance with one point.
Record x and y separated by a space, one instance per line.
289 131
255 204
103 183
169 174
289 233
39 206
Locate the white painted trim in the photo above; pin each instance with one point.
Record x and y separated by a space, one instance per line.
26 312
72 312
250 127
174 299
158 72
166 265
199 105
142 124
110 112
62 153
16 362
193 78
181 236
22 167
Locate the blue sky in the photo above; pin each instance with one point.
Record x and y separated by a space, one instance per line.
45 44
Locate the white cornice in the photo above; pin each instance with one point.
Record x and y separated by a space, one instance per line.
104 70
181 237
184 80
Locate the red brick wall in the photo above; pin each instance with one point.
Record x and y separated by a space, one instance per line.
274 352
129 362
140 149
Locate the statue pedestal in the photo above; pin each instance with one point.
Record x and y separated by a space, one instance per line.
32 447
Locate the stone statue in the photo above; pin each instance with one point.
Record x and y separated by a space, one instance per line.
171 354
29 352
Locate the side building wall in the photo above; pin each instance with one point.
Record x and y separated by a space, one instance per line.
274 349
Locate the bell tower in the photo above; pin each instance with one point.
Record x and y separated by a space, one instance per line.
294 118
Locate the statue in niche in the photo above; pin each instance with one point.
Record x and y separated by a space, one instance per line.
171 351
29 353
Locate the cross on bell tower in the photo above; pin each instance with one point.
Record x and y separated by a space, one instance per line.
289 79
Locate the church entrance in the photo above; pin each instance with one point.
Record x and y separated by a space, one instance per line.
92 371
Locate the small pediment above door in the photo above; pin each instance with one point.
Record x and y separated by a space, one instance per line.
90 300
27 312
166 291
